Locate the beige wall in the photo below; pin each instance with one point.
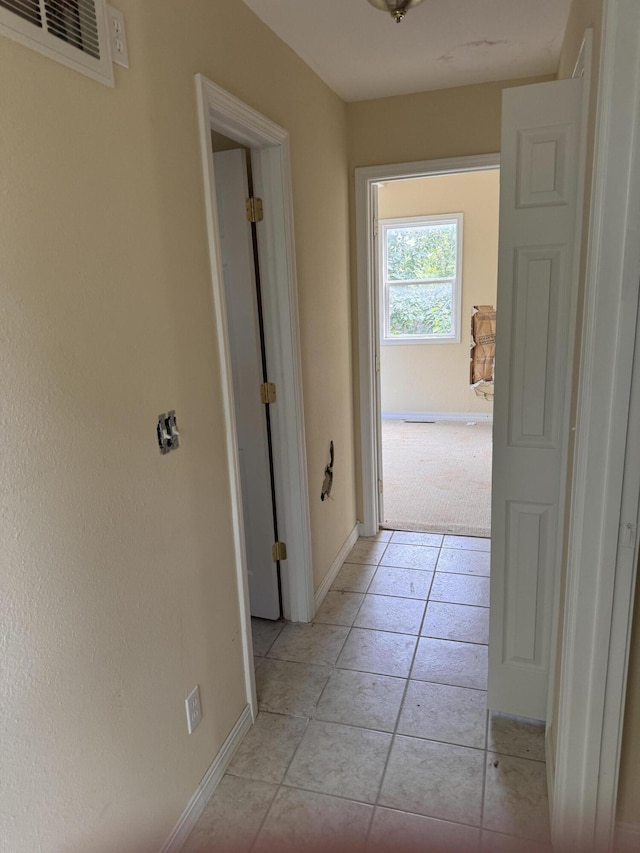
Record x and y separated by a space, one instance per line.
435 377
119 592
428 125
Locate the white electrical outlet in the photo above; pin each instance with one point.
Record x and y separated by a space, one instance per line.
118 37
194 709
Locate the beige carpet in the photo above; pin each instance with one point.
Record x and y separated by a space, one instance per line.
437 477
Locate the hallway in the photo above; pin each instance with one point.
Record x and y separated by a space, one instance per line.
373 726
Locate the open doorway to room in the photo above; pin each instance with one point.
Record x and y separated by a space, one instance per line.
436 272
237 232
253 140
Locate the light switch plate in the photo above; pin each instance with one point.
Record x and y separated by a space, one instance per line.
194 708
167 432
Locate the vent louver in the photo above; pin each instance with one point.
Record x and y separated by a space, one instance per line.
71 31
27 9
74 21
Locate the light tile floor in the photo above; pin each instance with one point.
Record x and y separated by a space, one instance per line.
373 730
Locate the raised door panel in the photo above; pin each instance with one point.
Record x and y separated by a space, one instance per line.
536 284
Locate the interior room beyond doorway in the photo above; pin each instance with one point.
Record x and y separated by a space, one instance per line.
437 476
438 241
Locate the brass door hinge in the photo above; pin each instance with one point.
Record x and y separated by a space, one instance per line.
268 392
254 210
279 551
380 487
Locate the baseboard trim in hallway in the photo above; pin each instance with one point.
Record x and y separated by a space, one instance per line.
207 786
335 567
484 417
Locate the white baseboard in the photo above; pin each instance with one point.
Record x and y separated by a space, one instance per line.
335 567
627 837
210 782
438 416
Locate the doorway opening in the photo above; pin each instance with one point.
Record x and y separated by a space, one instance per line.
267 144
427 256
436 245
368 192
237 232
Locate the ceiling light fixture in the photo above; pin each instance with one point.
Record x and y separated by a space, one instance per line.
396 8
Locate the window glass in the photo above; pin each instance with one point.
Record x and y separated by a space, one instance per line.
421 251
421 309
421 279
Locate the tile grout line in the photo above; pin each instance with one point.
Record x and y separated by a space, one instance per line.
309 719
279 786
357 727
401 706
333 667
271 644
395 731
254 841
407 679
375 802
484 772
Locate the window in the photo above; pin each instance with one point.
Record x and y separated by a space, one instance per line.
421 264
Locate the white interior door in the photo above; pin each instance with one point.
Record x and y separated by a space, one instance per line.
238 263
539 187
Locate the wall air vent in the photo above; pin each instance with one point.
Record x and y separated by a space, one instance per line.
73 32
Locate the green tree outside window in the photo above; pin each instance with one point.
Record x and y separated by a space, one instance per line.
421 274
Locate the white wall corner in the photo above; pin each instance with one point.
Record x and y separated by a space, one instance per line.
627 838
335 567
207 786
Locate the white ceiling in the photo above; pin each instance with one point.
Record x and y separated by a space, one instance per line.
361 53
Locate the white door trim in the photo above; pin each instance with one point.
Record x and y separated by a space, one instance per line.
603 539
269 143
366 178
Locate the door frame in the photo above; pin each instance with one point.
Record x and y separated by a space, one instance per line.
605 496
220 111
366 178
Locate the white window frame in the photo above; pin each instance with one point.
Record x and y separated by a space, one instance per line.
386 225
